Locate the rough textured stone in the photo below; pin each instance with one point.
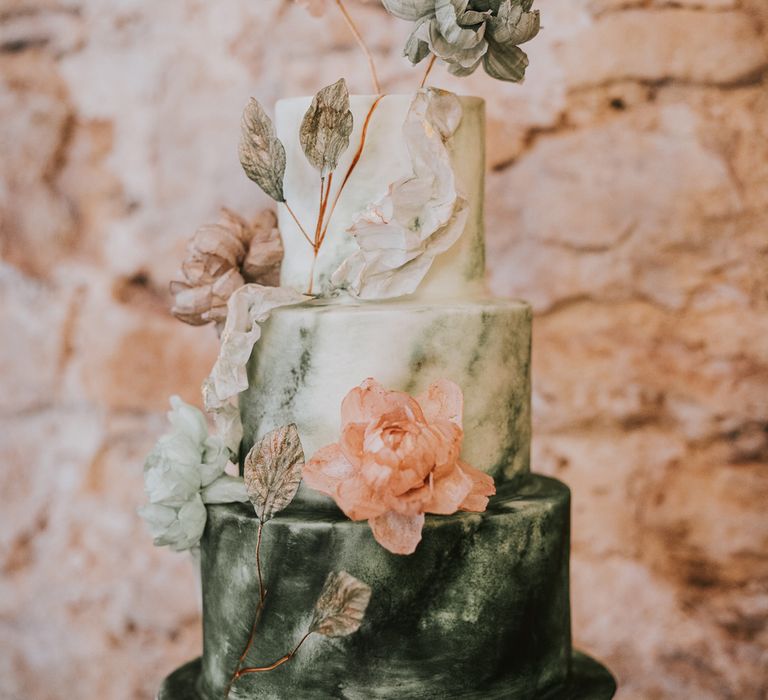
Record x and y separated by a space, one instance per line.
657 45
628 200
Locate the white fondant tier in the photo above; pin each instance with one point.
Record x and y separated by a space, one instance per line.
310 356
456 273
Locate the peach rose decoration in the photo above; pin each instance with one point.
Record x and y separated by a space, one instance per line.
397 459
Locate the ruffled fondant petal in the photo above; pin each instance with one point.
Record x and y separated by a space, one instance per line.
443 400
482 488
449 492
370 401
398 533
351 442
357 499
327 468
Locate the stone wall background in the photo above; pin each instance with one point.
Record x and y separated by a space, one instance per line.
627 199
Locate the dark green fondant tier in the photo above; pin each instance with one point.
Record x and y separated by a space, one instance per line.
588 680
482 604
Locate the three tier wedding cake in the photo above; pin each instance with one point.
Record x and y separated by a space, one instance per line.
365 517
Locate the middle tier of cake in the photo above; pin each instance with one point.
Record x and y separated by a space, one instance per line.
309 356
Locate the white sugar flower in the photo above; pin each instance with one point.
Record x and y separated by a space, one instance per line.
185 470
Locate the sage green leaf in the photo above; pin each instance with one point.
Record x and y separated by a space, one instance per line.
272 471
513 25
447 21
262 154
341 607
416 49
470 45
411 10
462 72
326 127
505 63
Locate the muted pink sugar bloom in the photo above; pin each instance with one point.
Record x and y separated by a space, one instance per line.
397 459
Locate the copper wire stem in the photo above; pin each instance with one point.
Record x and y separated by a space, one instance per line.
298 223
274 664
325 191
257 616
352 165
430 66
361 42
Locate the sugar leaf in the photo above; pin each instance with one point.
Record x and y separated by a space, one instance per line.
326 127
272 471
506 62
513 24
341 607
409 9
262 154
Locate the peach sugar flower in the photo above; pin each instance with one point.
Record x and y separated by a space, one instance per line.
397 459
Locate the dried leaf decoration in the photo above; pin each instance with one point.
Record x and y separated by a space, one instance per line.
272 471
341 607
262 154
326 127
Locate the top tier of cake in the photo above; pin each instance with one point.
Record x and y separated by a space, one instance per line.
455 274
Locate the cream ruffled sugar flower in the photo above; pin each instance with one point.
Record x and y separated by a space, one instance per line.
184 471
397 459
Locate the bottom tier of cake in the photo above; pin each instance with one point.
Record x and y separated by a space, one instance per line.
588 680
481 610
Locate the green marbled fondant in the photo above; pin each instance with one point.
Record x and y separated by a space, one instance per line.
483 602
589 680
310 356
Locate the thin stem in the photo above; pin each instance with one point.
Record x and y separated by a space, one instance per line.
320 214
262 591
325 191
327 195
320 235
298 223
274 664
358 37
352 165
257 616
430 66
312 275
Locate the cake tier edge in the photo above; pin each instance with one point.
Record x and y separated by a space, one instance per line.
588 680
309 356
483 602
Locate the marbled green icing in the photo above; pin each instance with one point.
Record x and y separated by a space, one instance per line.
310 356
483 602
589 680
